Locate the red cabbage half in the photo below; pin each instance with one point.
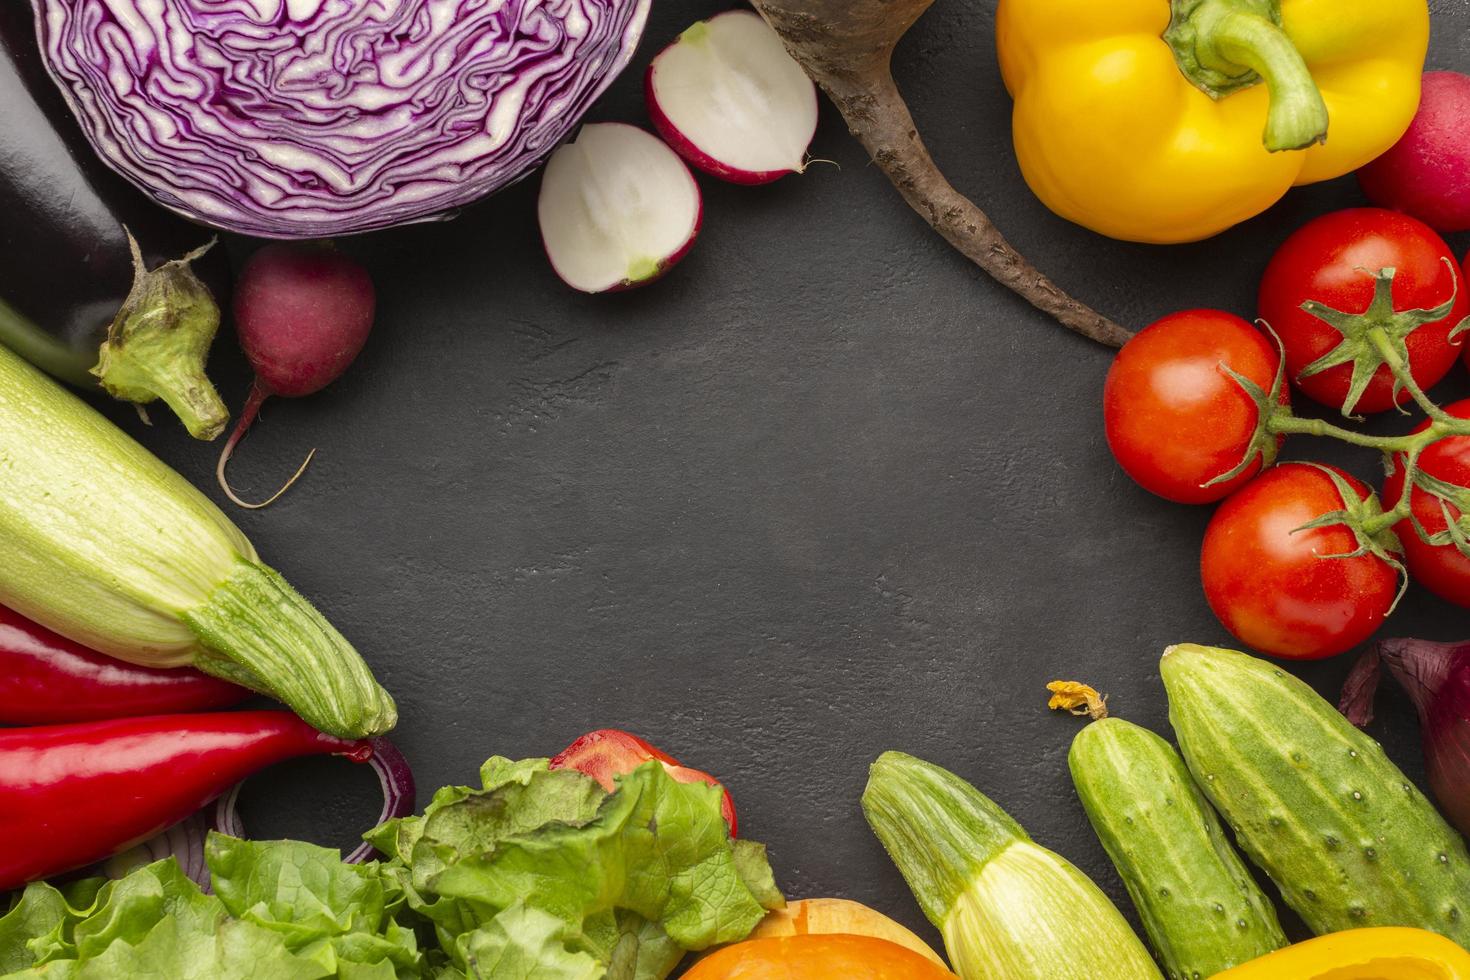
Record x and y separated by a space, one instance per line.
311 118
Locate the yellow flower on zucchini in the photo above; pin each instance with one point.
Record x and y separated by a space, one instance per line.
1172 120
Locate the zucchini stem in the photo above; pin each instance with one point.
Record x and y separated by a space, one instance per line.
257 632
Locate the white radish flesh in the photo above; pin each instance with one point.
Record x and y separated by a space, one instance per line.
617 208
731 101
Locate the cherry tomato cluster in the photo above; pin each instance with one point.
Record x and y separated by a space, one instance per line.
1360 310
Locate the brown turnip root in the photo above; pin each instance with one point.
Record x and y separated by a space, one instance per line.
303 313
846 46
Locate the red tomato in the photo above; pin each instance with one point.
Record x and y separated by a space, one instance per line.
1274 586
607 753
1174 419
1440 568
1466 279
1332 261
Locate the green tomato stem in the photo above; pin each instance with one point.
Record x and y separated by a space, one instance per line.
1441 426
1401 372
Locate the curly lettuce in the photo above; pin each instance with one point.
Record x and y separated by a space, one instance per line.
535 875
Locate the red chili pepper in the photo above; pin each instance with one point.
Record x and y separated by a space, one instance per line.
46 678
609 752
74 794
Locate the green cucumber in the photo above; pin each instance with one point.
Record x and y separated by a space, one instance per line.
1201 908
1348 839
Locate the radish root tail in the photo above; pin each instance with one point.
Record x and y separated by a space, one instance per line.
258 395
846 47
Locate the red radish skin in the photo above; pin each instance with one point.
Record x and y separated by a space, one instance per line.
1427 172
303 313
617 209
686 147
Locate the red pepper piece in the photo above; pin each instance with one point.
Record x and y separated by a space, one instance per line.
74 794
609 752
46 679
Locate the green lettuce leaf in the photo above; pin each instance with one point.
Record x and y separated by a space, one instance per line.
535 875
176 948
128 909
644 951
40 923
657 849
310 898
154 924
755 871
525 944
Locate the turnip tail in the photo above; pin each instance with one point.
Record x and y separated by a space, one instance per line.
846 46
258 395
303 312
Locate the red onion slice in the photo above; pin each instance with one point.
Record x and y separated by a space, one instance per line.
394 775
184 840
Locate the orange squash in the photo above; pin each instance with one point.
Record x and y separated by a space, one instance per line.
825 916
817 957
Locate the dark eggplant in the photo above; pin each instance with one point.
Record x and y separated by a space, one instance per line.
66 269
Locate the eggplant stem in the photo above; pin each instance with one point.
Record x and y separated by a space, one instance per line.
258 395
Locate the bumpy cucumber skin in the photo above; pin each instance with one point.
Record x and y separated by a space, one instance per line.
1201 908
1313 801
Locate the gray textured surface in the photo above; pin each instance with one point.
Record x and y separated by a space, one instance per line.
822 492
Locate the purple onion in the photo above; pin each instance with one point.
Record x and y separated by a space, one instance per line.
184 840
1436 677
314 118
398 797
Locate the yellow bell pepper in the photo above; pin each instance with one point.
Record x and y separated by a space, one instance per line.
1144 119
1361 954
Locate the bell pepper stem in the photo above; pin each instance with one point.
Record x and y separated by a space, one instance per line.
1223 46
1297 117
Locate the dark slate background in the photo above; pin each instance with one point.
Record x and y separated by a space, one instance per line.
824 491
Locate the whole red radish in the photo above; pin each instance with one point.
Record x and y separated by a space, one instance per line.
303 312
1427 172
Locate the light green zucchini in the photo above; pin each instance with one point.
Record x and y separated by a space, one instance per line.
1200 906
103 543
1005 906
1348 839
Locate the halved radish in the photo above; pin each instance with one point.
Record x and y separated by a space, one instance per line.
617 209
731 101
